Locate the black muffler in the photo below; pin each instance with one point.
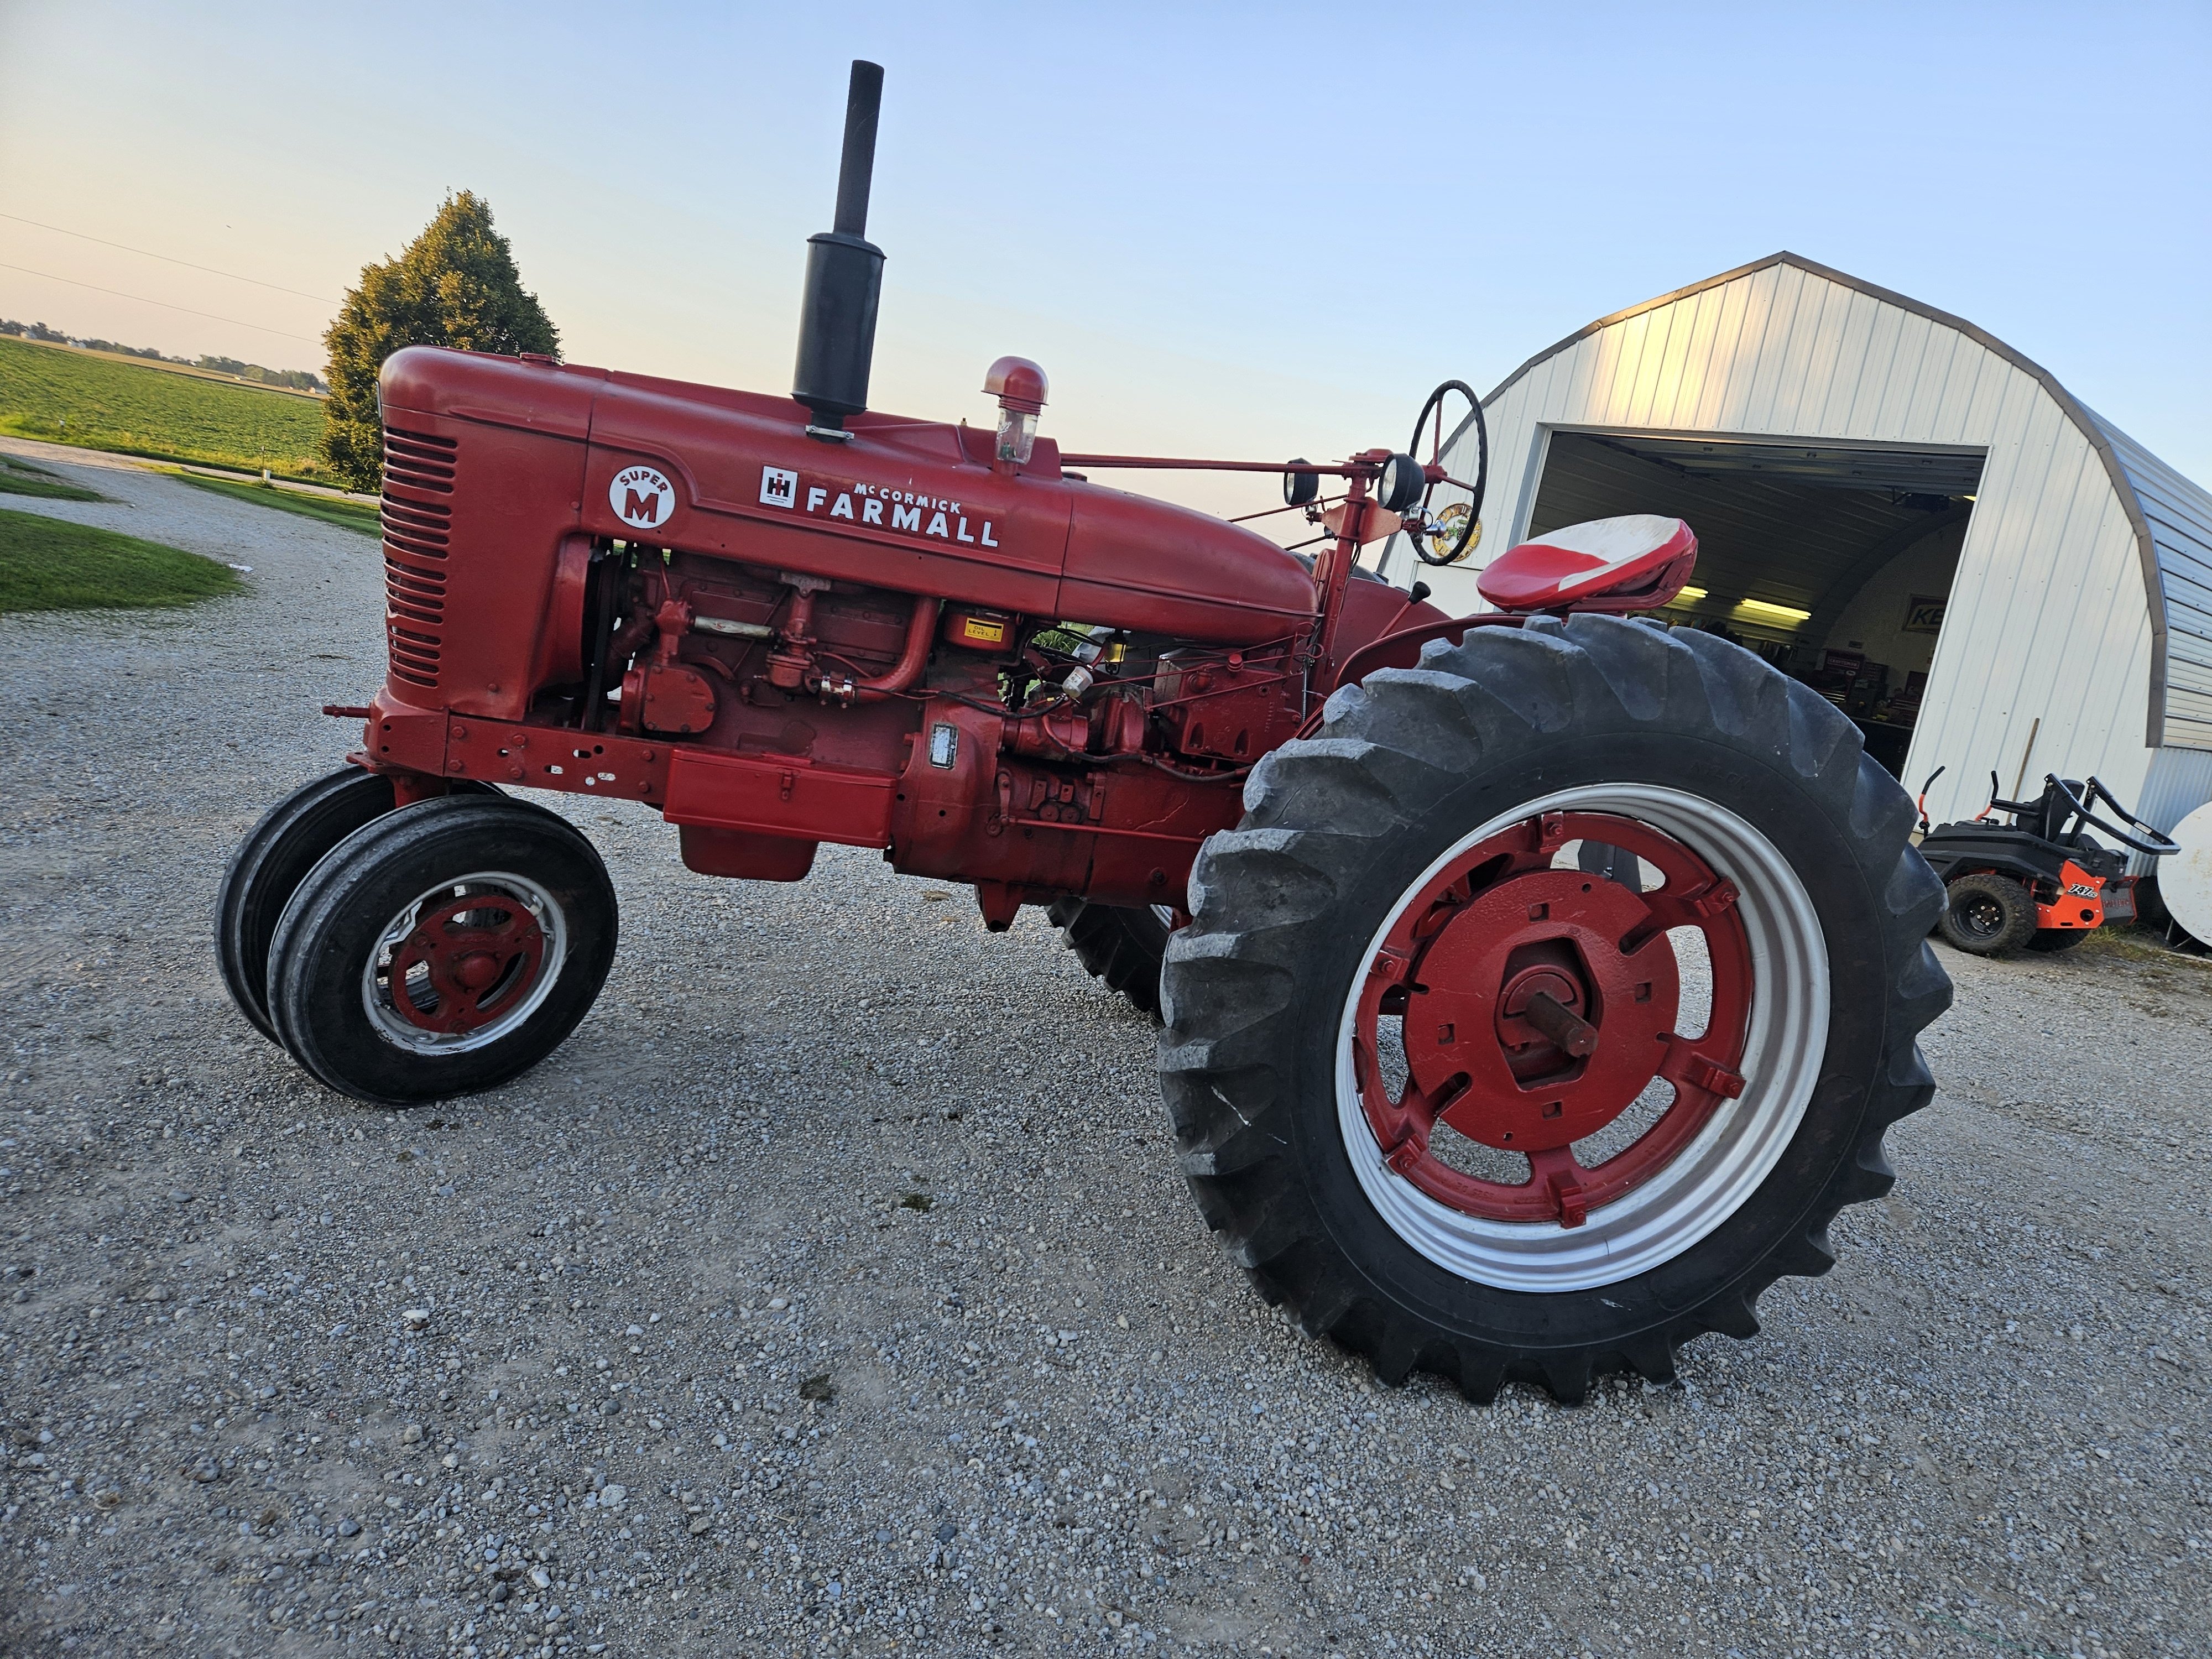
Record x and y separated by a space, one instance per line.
844 278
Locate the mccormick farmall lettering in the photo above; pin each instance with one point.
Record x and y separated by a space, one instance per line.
919 514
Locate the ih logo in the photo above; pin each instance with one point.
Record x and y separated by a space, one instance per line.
642 497
778 487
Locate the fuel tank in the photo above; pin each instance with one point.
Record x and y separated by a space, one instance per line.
492 461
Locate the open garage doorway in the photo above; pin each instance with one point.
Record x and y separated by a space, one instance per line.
1831 561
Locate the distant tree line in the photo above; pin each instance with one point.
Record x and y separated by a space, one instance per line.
299 380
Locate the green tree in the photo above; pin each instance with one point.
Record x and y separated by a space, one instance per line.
455 285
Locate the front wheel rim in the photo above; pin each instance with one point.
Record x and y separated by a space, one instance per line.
1739 1090
465 964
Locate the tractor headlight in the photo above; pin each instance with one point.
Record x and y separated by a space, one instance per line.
1019 386
1017 433
1401 485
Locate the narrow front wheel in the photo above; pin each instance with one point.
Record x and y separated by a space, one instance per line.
441 950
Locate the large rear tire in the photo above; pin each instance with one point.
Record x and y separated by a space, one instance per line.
1418 865
269 864
441 950
1121 945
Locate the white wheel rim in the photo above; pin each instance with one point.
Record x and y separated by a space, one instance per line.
1713 1177
376 991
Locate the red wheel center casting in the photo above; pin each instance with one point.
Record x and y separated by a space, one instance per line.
1540 1004
1553 934
466 963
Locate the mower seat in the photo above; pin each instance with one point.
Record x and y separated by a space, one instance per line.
1634 564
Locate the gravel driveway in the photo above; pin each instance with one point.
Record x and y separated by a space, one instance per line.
833 1288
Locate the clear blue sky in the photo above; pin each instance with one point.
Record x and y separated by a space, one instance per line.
1242 230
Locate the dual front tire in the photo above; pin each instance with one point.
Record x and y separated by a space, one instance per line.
435 949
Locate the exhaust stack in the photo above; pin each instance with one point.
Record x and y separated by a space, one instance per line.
844 278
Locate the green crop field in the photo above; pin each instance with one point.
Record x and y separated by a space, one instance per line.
74 398
50 564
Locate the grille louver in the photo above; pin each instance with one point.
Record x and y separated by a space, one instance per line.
419 473
412 595
419 463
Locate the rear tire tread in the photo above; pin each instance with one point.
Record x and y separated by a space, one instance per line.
1386 752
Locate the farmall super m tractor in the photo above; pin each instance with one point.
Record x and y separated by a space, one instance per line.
1537 985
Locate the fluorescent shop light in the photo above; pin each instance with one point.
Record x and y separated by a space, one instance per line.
1762 610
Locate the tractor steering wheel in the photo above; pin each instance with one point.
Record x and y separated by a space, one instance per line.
1443 537
2158 846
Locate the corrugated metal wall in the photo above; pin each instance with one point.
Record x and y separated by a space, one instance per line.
2049 631
2180 782
2179 516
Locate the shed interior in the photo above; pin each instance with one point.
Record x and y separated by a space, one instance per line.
1832 561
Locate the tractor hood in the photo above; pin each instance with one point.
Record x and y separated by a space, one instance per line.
911 505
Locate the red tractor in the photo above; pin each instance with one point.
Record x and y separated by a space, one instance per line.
1537 985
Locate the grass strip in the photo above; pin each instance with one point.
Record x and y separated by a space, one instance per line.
351 515
20 478
2133 942
50 564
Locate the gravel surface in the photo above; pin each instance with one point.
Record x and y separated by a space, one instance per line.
832 1290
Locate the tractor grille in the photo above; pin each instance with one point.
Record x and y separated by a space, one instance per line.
417 462
420 531
417 518
414 617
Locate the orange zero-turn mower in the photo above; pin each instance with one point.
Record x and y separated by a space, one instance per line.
2040 881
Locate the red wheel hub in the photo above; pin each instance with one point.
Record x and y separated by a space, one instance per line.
465 963
1539 1005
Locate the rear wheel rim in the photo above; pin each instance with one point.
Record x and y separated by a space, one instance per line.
1463 943
465 964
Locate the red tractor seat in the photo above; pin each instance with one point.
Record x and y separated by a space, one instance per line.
1638 562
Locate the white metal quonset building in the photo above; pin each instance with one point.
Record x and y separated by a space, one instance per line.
1894 506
